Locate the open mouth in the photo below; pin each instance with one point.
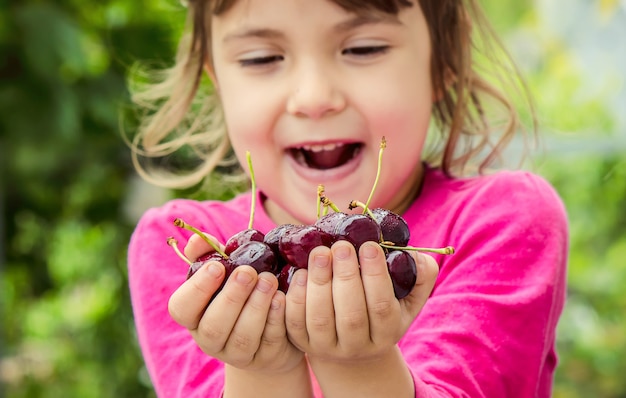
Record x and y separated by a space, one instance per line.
327 156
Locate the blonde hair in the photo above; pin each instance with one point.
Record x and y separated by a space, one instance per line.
181 114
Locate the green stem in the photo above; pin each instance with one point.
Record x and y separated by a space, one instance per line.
320 193
253 189
355 203
328 203
383 145
182 224
173 242
443 250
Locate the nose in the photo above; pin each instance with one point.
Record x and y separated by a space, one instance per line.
315 93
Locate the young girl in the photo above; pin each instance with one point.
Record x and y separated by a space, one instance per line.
310 87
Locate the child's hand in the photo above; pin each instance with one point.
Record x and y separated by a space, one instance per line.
245 324
339 312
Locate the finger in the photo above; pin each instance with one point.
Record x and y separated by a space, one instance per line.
320 311
274 336
383 309
295 310
245 338
188 303
349 298
196 246
427 271
220 317
275 332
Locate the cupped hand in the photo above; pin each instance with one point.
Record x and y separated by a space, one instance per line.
244 326
340 311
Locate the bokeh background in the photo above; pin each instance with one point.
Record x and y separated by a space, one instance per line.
70 197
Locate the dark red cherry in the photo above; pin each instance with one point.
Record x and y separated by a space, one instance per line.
256 254
357 229
284 277
272 238
297 242
241 237
328 223
212 256
392 226
403 272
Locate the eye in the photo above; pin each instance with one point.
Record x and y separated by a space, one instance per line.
365 51
261 61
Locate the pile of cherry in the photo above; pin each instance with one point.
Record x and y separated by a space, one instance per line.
286 248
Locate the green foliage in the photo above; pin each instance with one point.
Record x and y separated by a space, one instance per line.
68 200
67 323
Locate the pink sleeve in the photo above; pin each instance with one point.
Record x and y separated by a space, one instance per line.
177 367
489 328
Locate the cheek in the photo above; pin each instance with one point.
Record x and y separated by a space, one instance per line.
244 116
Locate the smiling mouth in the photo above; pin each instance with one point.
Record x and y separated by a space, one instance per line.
326 156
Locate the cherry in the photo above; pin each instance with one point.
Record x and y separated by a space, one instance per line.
328 222
256 254
241 237
357 229
403 272
286 248
212 256
200 261
272 238
297 242
393 227
285 276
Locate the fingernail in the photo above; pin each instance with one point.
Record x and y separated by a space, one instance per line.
342 252
263 286
368 251
214 270
301 278
321 261
275 304
244 278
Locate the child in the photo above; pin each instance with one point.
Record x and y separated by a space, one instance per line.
310 87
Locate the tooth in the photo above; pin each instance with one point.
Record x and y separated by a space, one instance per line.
321 147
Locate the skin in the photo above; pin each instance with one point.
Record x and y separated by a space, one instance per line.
325 79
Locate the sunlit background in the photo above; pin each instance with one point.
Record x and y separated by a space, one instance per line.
70 197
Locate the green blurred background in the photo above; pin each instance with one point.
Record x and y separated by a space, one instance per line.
70 197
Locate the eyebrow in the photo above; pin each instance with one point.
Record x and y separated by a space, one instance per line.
365 19
352 23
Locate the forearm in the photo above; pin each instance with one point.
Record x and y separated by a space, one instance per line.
295 383
388 376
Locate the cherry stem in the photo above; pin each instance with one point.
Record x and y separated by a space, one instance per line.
443 250
173 242
182 224
253 189
328 203
383 145
355 203
325 201
320 194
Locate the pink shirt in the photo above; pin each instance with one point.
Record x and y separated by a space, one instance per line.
488 329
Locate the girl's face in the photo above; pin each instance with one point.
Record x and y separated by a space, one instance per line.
310 89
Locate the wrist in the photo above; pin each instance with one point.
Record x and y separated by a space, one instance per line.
292 382
384 375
